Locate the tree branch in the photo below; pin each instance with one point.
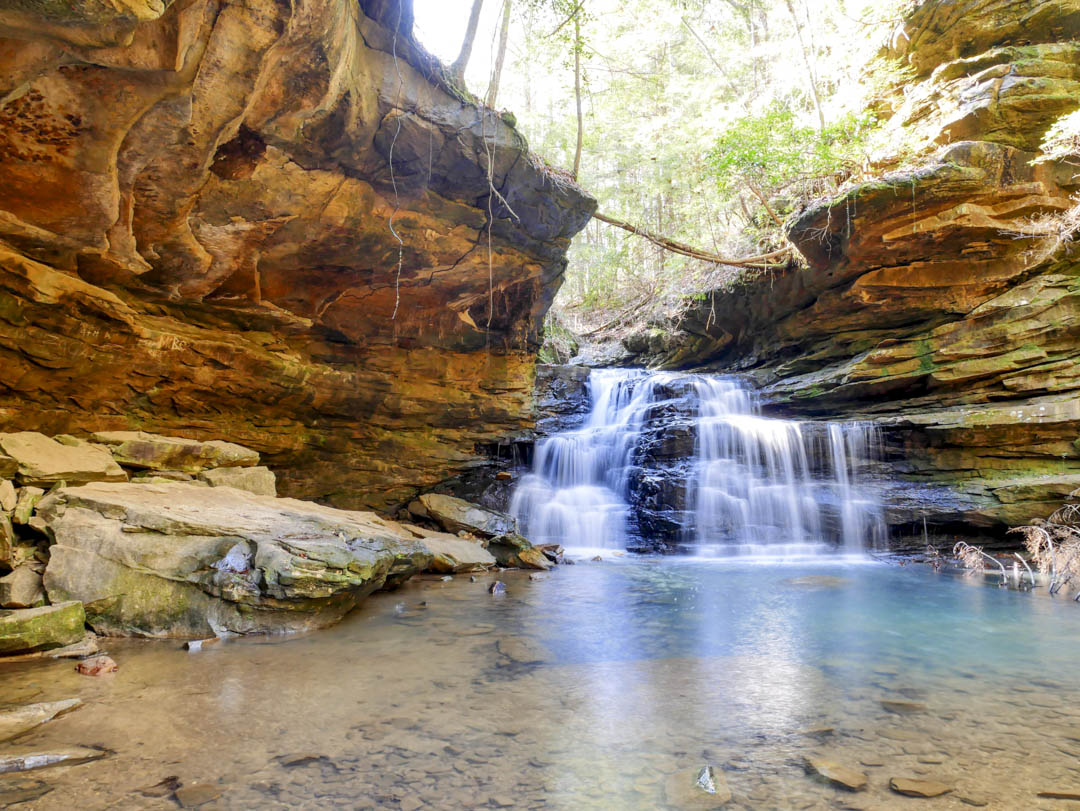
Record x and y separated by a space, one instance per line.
763 260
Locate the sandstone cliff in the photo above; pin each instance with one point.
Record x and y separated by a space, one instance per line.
942 300
271 223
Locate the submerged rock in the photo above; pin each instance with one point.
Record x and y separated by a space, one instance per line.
167 560
24 630
69 756
696 789
456 515
97 666
903 707
912 787
1060 794
16 721
837 773
14 791
819 581
196 794
44 461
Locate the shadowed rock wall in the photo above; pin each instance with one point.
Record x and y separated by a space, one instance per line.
271 223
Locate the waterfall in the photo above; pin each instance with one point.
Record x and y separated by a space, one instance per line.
748 484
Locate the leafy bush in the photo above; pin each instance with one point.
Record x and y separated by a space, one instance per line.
776 152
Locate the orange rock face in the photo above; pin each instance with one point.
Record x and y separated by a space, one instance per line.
273 225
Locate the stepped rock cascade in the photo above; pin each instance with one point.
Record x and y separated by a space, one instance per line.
753 485
940 299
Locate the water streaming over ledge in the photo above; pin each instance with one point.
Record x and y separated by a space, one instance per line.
748 484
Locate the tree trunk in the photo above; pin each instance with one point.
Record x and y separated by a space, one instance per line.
771 259
577 89
496 73
811 76
457 70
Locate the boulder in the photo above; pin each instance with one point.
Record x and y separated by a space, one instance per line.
139 449
17 720
258 480
21 589
27 500
170 560
450 554
513 551
23 630
44 461
7 496
8 466
457 515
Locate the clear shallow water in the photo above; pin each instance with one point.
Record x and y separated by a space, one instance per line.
588 689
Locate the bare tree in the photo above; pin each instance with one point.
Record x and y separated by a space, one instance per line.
811 74
457 70
496 73
577 88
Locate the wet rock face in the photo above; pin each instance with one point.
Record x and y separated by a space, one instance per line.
195 239
930 303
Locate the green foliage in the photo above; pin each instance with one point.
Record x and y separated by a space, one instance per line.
776 151
560 343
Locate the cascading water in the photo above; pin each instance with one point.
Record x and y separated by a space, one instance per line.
576 494
754 486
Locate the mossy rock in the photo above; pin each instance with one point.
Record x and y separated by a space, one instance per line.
24 630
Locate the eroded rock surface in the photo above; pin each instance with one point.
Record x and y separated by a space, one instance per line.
940 301
170 560
199 236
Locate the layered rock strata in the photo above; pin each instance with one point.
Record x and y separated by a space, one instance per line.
942 301
272 224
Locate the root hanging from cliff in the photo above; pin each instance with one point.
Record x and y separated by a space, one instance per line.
393 179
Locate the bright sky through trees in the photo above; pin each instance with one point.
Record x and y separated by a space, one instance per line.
705 121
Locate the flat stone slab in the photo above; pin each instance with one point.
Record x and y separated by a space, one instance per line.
918 788
139 449
24 630
259 480
44 461
172 560
836 773
16 721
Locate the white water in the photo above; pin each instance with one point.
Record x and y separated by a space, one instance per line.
757 486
